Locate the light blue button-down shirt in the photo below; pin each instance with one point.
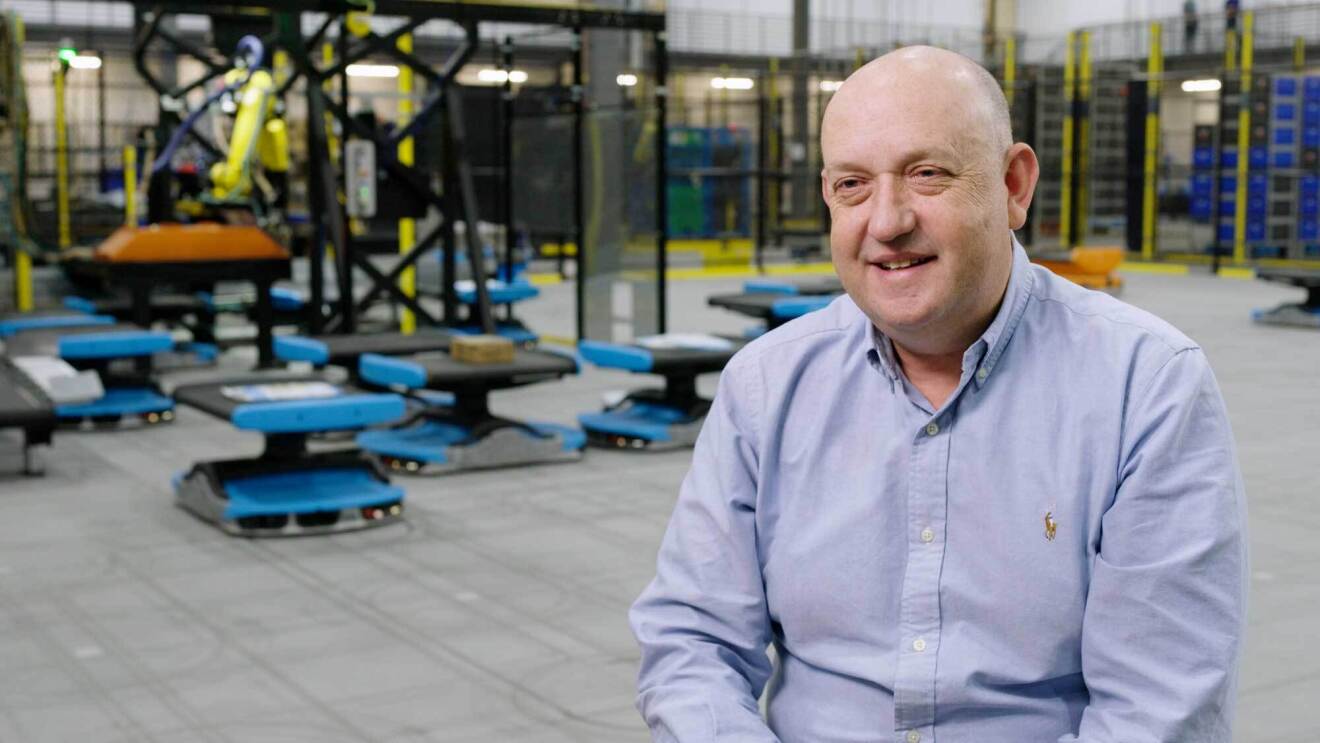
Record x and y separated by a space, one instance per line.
1056 554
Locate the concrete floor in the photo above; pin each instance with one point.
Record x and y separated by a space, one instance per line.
497 611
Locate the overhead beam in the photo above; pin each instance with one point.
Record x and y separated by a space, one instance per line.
559 15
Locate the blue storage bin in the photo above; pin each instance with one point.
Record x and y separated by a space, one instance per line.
1228 158
1203 157
1258 157
1310 185
1203 184
1285 159
1285 135
1285 86
1202 207
1225 232
1285 112
1311 87
1227 184
1255 229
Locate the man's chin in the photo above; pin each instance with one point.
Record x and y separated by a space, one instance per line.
900 321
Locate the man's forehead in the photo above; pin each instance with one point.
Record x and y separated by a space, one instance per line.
893 120
887 138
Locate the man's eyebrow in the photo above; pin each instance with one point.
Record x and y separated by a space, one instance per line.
845 166
936 153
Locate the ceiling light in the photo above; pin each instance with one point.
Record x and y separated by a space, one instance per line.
1209 85
829 86
85 62
626 80
372 70
732 83
498 77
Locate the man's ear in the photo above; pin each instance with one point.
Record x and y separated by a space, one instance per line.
824 188
1020 175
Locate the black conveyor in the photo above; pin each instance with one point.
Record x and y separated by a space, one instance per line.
23 405
142 279
46 341
1307 279
527 367
344 350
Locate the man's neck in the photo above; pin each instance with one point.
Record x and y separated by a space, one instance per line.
935 376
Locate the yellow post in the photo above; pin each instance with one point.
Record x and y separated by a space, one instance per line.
279 67
1299 53
22 261
1149 202
62 159
23 279
1230 49
407 226
130 186
332 142
1066 172
1244 141
1084 94
859 58
1010 68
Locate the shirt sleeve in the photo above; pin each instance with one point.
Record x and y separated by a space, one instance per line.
1165 611
702 623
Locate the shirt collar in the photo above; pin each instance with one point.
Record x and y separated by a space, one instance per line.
982 356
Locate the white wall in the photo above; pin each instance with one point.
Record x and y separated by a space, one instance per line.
901 12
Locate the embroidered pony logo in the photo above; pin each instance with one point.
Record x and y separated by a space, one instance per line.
1051 526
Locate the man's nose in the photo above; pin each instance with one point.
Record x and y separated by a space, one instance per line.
891 213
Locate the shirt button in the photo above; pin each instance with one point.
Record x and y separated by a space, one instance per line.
982 373
932 428
919 645
913 737
927 535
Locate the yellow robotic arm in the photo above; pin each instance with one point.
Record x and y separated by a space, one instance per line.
253 134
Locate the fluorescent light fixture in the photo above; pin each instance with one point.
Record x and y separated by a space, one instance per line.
626 80
497 77
372 70
829 86
1209 85
732 83
85 62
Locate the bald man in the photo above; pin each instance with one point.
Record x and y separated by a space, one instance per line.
968 502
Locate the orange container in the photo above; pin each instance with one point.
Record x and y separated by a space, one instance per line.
182 243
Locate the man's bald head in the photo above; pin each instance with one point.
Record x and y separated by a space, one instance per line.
936 73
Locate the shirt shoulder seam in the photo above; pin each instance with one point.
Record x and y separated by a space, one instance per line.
1173 349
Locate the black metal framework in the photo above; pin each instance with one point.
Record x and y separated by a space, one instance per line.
457 198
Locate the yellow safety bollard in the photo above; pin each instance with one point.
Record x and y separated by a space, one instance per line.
130 186
407 225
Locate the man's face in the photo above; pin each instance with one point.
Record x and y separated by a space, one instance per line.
918 202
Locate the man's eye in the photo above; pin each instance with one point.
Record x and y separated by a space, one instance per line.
928 173
846 184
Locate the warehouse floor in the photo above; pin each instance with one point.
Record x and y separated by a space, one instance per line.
497 612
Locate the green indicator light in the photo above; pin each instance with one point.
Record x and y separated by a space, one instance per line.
67 53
